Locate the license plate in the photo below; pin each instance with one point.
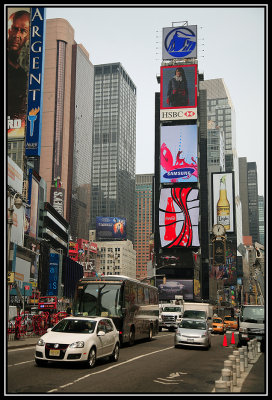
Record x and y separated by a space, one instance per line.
55 353
190 340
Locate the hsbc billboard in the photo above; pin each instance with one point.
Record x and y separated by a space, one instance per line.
178 92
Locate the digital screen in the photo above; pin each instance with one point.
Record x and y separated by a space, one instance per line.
178 154
178 217
172 287
223 201
111 228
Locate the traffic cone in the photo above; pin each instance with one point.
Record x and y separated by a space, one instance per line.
225 343
232 338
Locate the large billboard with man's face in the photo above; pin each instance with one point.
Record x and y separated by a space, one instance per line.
18 32
178 92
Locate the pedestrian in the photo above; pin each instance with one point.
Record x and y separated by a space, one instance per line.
68 311
177 93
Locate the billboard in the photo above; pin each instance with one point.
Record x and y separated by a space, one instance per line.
111 228
172 287
178 217
223 200
53 279
18 20
179 42
178 154
35 84
178 92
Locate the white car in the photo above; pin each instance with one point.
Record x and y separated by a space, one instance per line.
79 339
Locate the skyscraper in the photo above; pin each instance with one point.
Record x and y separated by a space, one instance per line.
81 150
143 222
114 145
220 109
261 219
253 212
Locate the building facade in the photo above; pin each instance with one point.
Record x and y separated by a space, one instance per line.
117 258
143 223
253 209
81 149
114 145
261 220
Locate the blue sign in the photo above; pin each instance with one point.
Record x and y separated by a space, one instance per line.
53 275
179 42
35 82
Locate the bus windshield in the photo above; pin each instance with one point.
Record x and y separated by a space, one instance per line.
252 314
98 299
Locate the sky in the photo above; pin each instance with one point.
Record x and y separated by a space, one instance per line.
231 45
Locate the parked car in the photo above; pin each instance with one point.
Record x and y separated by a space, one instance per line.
193 333
231 322
218 325
79 339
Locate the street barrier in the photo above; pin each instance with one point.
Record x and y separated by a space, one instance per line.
238 363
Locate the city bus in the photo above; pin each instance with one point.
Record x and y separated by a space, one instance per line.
132 305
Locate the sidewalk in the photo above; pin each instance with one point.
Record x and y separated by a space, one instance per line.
252 381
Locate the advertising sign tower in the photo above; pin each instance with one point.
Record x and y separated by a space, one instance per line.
177 194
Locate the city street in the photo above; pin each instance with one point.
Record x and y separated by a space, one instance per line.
146 367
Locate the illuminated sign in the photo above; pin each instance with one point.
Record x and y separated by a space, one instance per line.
179 42
53 279
223 200
178 155
111 228
173 287
35 83
17 70
178 217
178 92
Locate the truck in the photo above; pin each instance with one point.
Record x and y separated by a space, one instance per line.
251 324
170 315
198 311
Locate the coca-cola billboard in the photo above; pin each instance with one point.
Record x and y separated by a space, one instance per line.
178 217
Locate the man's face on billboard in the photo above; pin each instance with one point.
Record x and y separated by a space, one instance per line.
18 33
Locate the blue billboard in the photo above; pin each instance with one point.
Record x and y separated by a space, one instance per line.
35 82
111 228
53 279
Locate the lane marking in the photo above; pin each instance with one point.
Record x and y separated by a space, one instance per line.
111 367
23 362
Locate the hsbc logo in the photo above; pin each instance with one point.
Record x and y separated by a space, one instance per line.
189 114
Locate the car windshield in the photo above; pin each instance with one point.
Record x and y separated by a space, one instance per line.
195 314
75 326
172 309
193 325
252 314
217 320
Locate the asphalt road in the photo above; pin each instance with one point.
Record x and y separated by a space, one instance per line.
146 367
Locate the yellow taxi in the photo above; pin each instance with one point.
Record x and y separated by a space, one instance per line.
218 325
231 322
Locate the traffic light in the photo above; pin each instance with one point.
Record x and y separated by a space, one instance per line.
10 277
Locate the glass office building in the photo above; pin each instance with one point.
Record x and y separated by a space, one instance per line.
114 145
82 108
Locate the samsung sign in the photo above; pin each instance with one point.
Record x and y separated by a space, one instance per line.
35 83
179 42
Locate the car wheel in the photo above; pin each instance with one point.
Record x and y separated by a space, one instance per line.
40 363
92 358
115 354
131 337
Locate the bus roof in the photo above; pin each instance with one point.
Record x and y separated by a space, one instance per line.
115 278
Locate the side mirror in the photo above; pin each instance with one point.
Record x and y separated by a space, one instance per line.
101 333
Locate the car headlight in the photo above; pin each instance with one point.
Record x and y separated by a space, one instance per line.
40 342
77 345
